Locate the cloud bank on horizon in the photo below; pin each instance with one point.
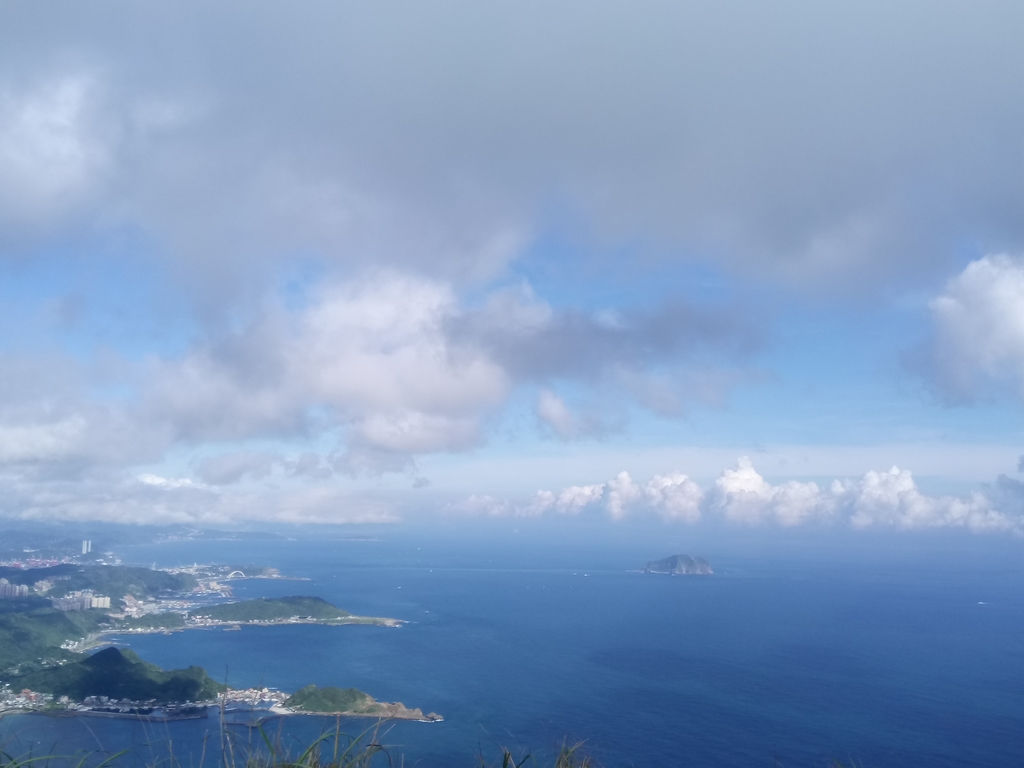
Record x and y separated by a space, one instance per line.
274 271
740 495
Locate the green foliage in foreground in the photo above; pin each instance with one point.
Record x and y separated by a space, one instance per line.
333 749
25 638
273 609
331 700
336 750
121 675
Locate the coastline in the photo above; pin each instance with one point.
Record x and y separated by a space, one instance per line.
391 711
100 639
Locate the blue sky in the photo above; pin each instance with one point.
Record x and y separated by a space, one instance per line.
679 261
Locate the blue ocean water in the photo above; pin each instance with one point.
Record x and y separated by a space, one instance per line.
792 657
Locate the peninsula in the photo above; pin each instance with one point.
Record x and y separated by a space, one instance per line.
680 565
351 702
281 610
51 616
116 682
116 674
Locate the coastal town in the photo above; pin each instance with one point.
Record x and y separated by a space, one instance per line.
14 702
85 603
255 704
211 584
260 700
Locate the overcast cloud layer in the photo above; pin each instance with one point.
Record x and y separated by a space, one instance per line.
810 143
256 257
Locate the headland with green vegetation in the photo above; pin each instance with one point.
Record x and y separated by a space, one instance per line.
119 674
43 640
279 610
351 702
40 636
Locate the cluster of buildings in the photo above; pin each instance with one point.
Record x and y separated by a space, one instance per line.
12 590
23 700
80 601
28 701
76 601
135 608
254 697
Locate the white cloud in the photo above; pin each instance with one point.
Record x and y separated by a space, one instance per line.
567 424
371 355
573 499
483 505
402 368
165 482
892 499
41 441
742 496
324 147
675 497
227 468
50 426
379 367
877 499
978 322
695 159
568 501
553 411
622 493
151 499
49 153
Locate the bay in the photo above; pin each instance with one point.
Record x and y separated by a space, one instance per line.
788 658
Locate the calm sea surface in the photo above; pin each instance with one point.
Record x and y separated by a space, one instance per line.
912 659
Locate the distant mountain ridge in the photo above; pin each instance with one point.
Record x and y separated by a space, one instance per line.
680 565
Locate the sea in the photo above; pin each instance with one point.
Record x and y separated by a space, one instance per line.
892 650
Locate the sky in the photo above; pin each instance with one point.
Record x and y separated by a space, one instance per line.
713 263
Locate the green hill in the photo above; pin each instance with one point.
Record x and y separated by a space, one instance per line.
153 621
38 634
23 604
331 700
115 581
121 674
273 609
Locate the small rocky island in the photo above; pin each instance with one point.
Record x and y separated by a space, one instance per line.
680 565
